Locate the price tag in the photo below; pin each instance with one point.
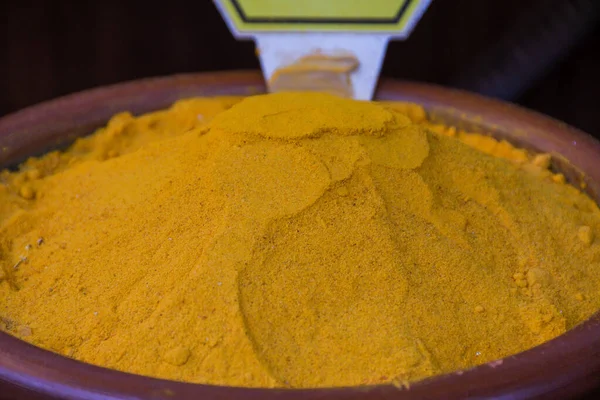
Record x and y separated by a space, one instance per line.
330 45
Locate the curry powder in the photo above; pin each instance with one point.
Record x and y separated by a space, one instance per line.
292 240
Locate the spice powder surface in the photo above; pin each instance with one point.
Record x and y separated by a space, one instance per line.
292 240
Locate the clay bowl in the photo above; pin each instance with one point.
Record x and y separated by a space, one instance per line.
562 368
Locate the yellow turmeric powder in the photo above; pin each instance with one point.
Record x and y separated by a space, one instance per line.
292 240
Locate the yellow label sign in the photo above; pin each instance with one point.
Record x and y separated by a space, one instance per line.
396 17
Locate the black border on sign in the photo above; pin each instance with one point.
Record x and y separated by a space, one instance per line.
325 20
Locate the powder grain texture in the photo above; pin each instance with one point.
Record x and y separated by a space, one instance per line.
292 240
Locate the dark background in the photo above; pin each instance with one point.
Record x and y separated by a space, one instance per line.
51 48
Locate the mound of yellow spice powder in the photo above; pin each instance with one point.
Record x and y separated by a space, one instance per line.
296 240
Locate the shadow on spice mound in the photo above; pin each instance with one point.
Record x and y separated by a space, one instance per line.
292 240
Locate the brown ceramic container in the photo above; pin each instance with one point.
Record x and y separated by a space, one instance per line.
562 368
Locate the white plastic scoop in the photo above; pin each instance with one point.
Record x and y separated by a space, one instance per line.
326 45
